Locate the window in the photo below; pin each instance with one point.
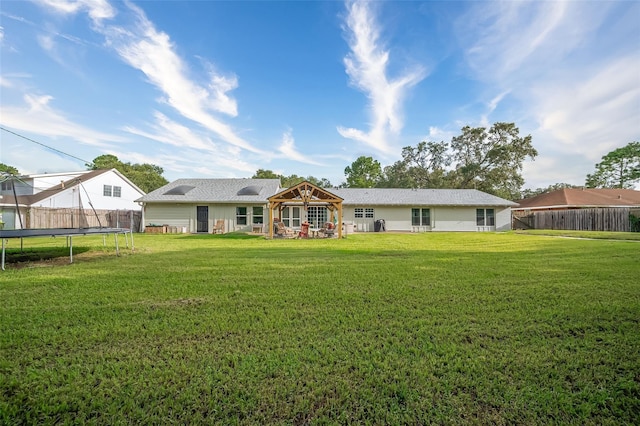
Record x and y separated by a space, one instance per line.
317 216
117 191
485 217
258 216
106 190
420 217
291 217
364 213
6 186
241 215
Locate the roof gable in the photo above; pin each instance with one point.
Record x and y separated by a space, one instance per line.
305 192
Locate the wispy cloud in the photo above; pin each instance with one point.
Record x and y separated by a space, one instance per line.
96 9
221 159
52 123
366 66
600 112
541 55
151 51
289 151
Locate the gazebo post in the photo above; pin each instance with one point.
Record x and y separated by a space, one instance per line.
270 221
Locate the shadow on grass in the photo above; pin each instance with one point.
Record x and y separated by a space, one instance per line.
39 254
227 236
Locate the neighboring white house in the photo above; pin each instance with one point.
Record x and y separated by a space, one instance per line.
95 189
195 205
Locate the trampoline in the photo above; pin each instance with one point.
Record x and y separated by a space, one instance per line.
68 233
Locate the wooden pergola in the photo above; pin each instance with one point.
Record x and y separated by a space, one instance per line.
306 194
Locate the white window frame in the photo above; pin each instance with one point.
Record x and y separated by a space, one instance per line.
107 190
420 217
257 215
117 191
240 217
486 216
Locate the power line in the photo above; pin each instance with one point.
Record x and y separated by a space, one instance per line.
46 146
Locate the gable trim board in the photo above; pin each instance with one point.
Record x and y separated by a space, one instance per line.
448 209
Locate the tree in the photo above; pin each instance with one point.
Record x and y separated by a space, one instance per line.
266 174
289 181
147 177
491 159
365 172
420 167
8 169
618 169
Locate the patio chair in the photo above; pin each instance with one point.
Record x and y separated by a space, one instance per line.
219 227
328 230
283 232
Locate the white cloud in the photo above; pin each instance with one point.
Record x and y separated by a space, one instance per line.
289 151
194 149
51 122
96 9
175 134
366 66
570 74
152 52
600 112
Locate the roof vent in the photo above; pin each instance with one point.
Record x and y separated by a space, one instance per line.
250 190
179 190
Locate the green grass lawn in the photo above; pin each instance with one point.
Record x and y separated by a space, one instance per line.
472 328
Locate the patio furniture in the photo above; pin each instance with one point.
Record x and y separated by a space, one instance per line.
304 230
282 231
219 227
328 230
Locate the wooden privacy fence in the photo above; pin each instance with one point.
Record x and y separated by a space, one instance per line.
48 218
597 219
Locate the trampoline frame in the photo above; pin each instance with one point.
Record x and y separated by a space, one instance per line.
69 233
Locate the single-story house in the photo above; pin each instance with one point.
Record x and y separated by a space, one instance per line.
196 205
580 198
89 190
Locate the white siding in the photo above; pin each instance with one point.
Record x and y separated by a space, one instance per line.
180 215
442 219
503 219
454 219
92 192
184 215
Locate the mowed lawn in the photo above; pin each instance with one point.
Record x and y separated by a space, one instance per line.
382 328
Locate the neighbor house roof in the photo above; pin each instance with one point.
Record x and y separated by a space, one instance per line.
582 198
418 197
27 200
214 191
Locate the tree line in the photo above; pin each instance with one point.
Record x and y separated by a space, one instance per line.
487 159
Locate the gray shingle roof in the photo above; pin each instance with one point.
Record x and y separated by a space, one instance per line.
226 191
418 197
215 191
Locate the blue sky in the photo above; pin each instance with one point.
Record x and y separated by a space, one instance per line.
221 89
